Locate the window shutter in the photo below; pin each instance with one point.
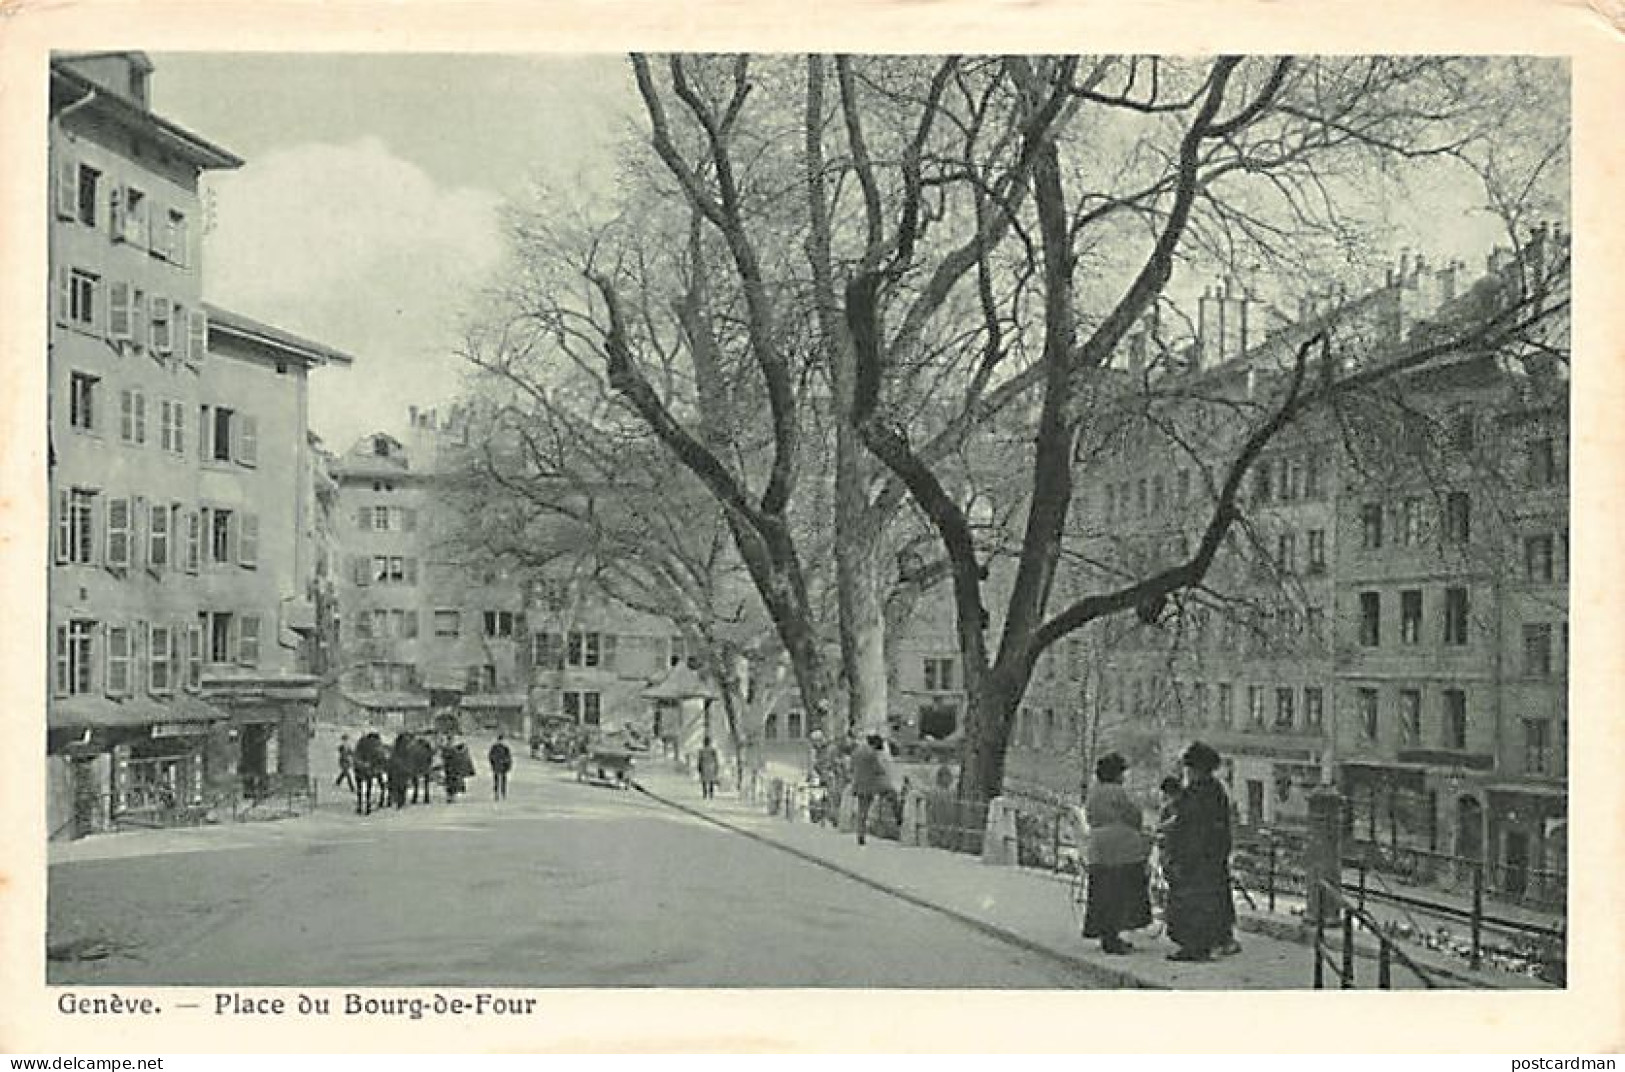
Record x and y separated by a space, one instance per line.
248 547
361 569
194 540
64 525
118 532
140 417
197 335
138 318
180 427
61 683
116 674
410 625
126 415
158 530
115 213
118 311
205 433
166 424
606 653
411 571
248 440
98 307
67 188
64 294
248 640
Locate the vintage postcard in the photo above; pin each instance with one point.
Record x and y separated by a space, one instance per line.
884 527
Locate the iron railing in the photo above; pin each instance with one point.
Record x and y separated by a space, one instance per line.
1343 958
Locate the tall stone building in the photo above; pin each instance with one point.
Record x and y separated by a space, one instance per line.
179 469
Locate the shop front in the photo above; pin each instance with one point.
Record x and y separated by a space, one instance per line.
1528 839
263 747
493 713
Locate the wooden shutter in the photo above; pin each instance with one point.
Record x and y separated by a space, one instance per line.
205 433
248 546
194 540
118 532
140 417
67 188
126 415
138 318
116 674
98 307
248 440
197 335
61 683
118 311
361 570
64 524
64 294
248 640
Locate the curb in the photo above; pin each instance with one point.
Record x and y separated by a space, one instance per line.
1114 977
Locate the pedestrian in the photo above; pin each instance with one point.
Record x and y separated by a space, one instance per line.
501 759
1201 913
1119 897
871 777
346 763
708 764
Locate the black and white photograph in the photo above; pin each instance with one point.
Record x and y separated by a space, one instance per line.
530 521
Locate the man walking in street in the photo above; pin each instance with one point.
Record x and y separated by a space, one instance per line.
346 761
501 763
871 777
709 765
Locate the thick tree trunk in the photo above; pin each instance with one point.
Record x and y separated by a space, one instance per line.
990 713
862 610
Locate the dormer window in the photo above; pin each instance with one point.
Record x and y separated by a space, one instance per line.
380 446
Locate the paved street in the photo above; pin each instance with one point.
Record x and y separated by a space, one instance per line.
562 885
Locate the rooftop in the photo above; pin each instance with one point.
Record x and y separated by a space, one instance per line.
282 343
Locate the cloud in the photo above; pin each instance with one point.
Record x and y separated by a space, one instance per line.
355 247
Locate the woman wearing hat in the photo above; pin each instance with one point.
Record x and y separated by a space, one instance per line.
1118 896
1201 914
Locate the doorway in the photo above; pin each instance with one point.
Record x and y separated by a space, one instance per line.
1515 879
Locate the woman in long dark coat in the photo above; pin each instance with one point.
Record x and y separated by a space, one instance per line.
1119 898
1201 914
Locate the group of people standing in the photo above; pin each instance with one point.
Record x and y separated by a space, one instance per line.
1192 839
451 758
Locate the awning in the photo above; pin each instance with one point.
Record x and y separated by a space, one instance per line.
1385 774
87 712
445 678
486 700
384 701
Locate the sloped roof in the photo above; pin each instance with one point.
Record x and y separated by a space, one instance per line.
681 683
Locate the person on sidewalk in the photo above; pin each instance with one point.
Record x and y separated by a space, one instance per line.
1119 897
709 765
871 777
1201 913
501 759
346 762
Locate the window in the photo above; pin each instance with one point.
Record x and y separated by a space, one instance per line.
90 184
770 728
73 652
1410 522
81 302
1458 518
1537 649
499 624
1455 616
222 534
1311 477
676 650
394 569
194 540
1255 705
1261 481
1368 713
1410 617
158 537
939 675
177 241
161 659
1285 715
1286 552
447 623
133 417
82 401
221 432
133 228
1410 717
364 625
1537 558
220 636
1536 745
1371 526
76 536
1314 709
1370 619
1317 550
118 532
587 650
163 325
1199 703
248 640
1542 459
118 661
583 707
1455 719
172 426
1226 700
1314 625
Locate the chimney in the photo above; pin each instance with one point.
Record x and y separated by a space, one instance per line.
412 416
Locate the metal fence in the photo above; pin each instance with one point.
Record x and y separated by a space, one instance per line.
271 797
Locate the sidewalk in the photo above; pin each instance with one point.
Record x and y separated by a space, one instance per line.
1033 909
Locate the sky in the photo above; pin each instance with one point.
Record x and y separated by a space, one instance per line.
368 214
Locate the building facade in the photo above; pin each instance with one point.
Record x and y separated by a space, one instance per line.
179 465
